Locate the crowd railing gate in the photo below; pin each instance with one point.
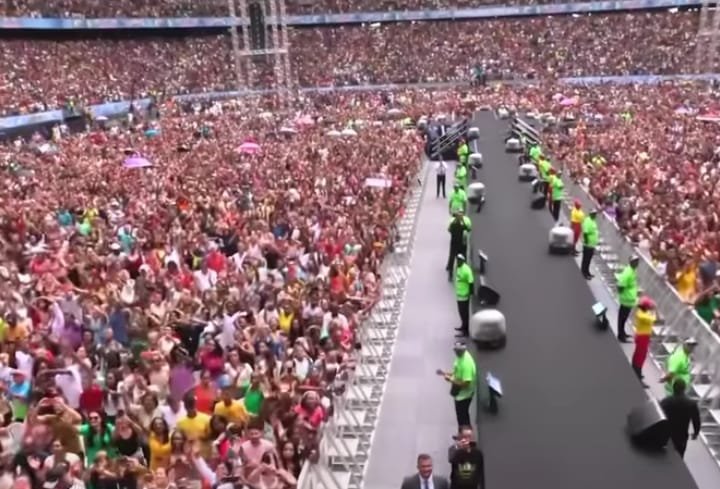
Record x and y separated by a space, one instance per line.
678 320
347 435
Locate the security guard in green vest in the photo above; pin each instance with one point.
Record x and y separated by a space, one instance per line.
459 228
627 286
535 153
590 239
557 193
458 199
464 289
463 152
544 168
461 175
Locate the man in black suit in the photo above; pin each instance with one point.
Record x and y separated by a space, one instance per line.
680 410
424 479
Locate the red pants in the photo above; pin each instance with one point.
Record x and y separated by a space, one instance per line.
576 228
642 345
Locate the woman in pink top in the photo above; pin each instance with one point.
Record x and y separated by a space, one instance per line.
309 410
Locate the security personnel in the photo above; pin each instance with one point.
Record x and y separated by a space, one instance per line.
644 321
576 218
679 365
535 153
680 411
458 199
627 286
591 237
544 168
459 229
463 153
461 175
464 285
557 193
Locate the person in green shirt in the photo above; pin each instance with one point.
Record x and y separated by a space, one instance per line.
458 199
544 168
535 153
254 396
463 152
463 382
557 194
627 286
464 284
461 176
591 237
679 365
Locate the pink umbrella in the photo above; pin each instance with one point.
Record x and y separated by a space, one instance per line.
304 121
248 148
136 162
568 102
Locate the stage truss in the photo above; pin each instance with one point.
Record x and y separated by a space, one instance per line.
708 35
276 47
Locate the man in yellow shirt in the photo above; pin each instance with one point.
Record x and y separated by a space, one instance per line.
195 425
576 218
644 322
231 409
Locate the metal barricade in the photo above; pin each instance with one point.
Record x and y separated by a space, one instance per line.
346 439
677 322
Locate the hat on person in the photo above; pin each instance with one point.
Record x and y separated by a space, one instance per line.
634 258
460 257
577 203
646 302
459 346
593 212
690 341
115 247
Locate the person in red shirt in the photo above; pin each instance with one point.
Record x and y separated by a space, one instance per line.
91 398
205 394
215 259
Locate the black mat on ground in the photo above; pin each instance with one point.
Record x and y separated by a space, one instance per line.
568 388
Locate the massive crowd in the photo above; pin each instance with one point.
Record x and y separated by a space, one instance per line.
188 8
37 74
181 298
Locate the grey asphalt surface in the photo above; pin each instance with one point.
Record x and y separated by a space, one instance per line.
568 388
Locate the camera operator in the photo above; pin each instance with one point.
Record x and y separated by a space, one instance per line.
467 463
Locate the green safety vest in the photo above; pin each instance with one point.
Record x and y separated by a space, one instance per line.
464 280
678 364
535 153
463 152
544 168
458 200
558 188
590 232
628 286
461 175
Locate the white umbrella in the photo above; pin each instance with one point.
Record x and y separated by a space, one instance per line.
266 115
287 130
334 134
101 118
349 132
394 112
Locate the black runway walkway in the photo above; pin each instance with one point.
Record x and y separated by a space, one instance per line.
568 387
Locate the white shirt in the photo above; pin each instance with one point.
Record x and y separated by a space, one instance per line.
71 385
171 417
441 167
205 281
428 485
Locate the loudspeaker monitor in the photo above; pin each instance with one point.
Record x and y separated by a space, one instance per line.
647 426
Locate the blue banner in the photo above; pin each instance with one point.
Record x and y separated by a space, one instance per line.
353 18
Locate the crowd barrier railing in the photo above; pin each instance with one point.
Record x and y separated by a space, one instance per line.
116 109
347 435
